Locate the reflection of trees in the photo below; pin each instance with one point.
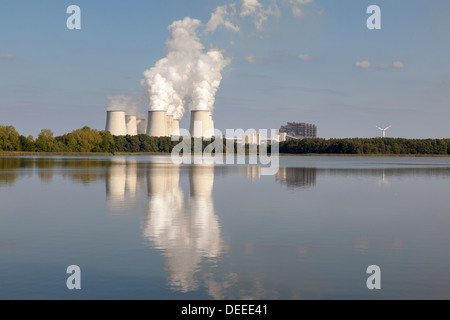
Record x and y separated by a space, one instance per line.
388 172
45 168
297 177
8 170
186 235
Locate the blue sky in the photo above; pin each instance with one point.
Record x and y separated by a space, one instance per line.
323 66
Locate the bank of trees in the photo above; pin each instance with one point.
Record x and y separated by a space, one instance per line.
80 140
90 140
390 146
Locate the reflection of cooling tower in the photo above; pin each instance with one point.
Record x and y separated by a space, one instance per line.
131 125
116 183
115 123
201 180
141 128
162 178
176 127
169 119
131 178
157 124
200 124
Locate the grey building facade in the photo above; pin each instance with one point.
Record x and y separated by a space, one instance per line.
299 130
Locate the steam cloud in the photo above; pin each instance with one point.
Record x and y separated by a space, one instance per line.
131 105
189 76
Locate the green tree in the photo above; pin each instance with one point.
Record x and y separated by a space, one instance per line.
45 141
9 139
27 143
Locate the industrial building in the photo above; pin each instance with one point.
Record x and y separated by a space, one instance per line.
295 130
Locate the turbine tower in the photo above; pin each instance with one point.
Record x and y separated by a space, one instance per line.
383 130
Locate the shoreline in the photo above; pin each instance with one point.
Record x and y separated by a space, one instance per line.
103 154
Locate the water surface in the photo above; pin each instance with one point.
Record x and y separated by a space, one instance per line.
143 228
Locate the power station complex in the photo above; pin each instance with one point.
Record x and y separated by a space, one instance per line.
159 124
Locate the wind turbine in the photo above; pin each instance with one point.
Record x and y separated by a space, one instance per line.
383 130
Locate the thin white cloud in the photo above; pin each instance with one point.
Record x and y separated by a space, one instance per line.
362 64
222 17
250 7
304 57
296 11
255 60
250 59
301 1
398 64
260 14
295 6
367 64
7 56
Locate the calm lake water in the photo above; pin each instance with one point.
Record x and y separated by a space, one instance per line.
143 228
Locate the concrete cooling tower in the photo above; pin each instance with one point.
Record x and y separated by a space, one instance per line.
157 124
141 126
131 125
212 123
201 124
169 119
115 123
176 127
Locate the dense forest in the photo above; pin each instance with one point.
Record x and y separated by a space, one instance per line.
90 140
389 146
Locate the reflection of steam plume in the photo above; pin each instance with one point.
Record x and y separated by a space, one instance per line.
201 209
185 236
297 177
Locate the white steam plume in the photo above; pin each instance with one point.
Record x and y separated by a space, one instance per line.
131 105
186 74
167 84
189 76
207 76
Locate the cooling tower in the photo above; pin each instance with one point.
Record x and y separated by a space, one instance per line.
200 124
283 136
115 123
131 125
176 127
157 124
212 123
140 124
169 119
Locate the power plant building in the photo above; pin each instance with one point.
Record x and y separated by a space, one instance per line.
295 130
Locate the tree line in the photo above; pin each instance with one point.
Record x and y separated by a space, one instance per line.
91 140
85 140
388 146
